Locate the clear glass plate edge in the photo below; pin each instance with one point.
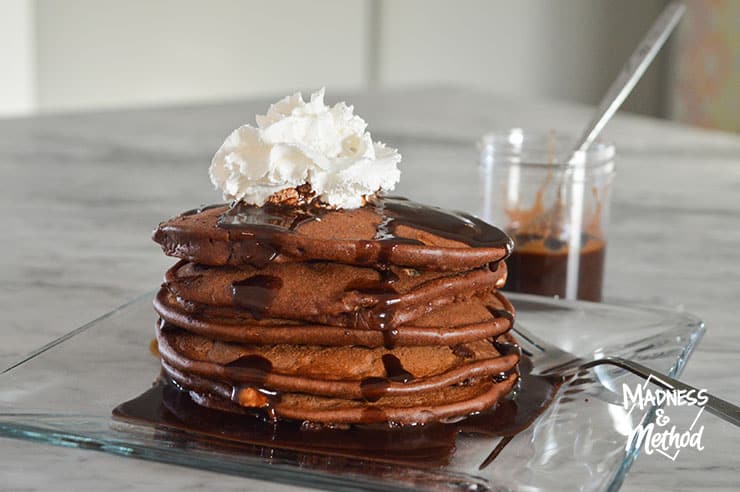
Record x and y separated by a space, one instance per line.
285 474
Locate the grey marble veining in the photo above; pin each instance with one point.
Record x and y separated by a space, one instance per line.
81 194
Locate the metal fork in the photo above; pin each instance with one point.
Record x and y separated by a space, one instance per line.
548 359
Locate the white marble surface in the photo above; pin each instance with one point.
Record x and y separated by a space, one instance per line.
81 194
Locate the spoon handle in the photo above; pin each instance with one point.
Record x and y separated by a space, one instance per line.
632 71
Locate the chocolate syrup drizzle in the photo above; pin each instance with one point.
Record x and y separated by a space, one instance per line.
277 218
262 225
256 293
395 370
374 388
455 226
252 368
503 347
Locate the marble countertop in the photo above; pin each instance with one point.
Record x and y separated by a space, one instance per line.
82 192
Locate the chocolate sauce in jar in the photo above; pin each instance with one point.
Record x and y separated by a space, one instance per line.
543 269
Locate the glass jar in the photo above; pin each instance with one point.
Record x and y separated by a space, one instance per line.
554 203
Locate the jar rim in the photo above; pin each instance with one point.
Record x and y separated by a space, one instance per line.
555 148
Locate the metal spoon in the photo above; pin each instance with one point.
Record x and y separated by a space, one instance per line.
612 100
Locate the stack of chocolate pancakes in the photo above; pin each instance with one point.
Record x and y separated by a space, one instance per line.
388 313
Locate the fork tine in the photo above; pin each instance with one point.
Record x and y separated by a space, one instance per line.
564 368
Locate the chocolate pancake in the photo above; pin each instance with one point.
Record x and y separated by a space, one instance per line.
327 293
343 372
462 321
385 231
422 408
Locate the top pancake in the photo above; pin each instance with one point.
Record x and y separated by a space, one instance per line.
387 231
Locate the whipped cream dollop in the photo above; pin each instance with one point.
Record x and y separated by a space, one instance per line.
298 143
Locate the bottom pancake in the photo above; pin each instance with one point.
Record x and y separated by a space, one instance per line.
451 402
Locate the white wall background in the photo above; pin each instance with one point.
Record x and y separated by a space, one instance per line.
17 67
563 49
113 52
88 54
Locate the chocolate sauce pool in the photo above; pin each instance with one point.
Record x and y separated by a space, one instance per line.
168 408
